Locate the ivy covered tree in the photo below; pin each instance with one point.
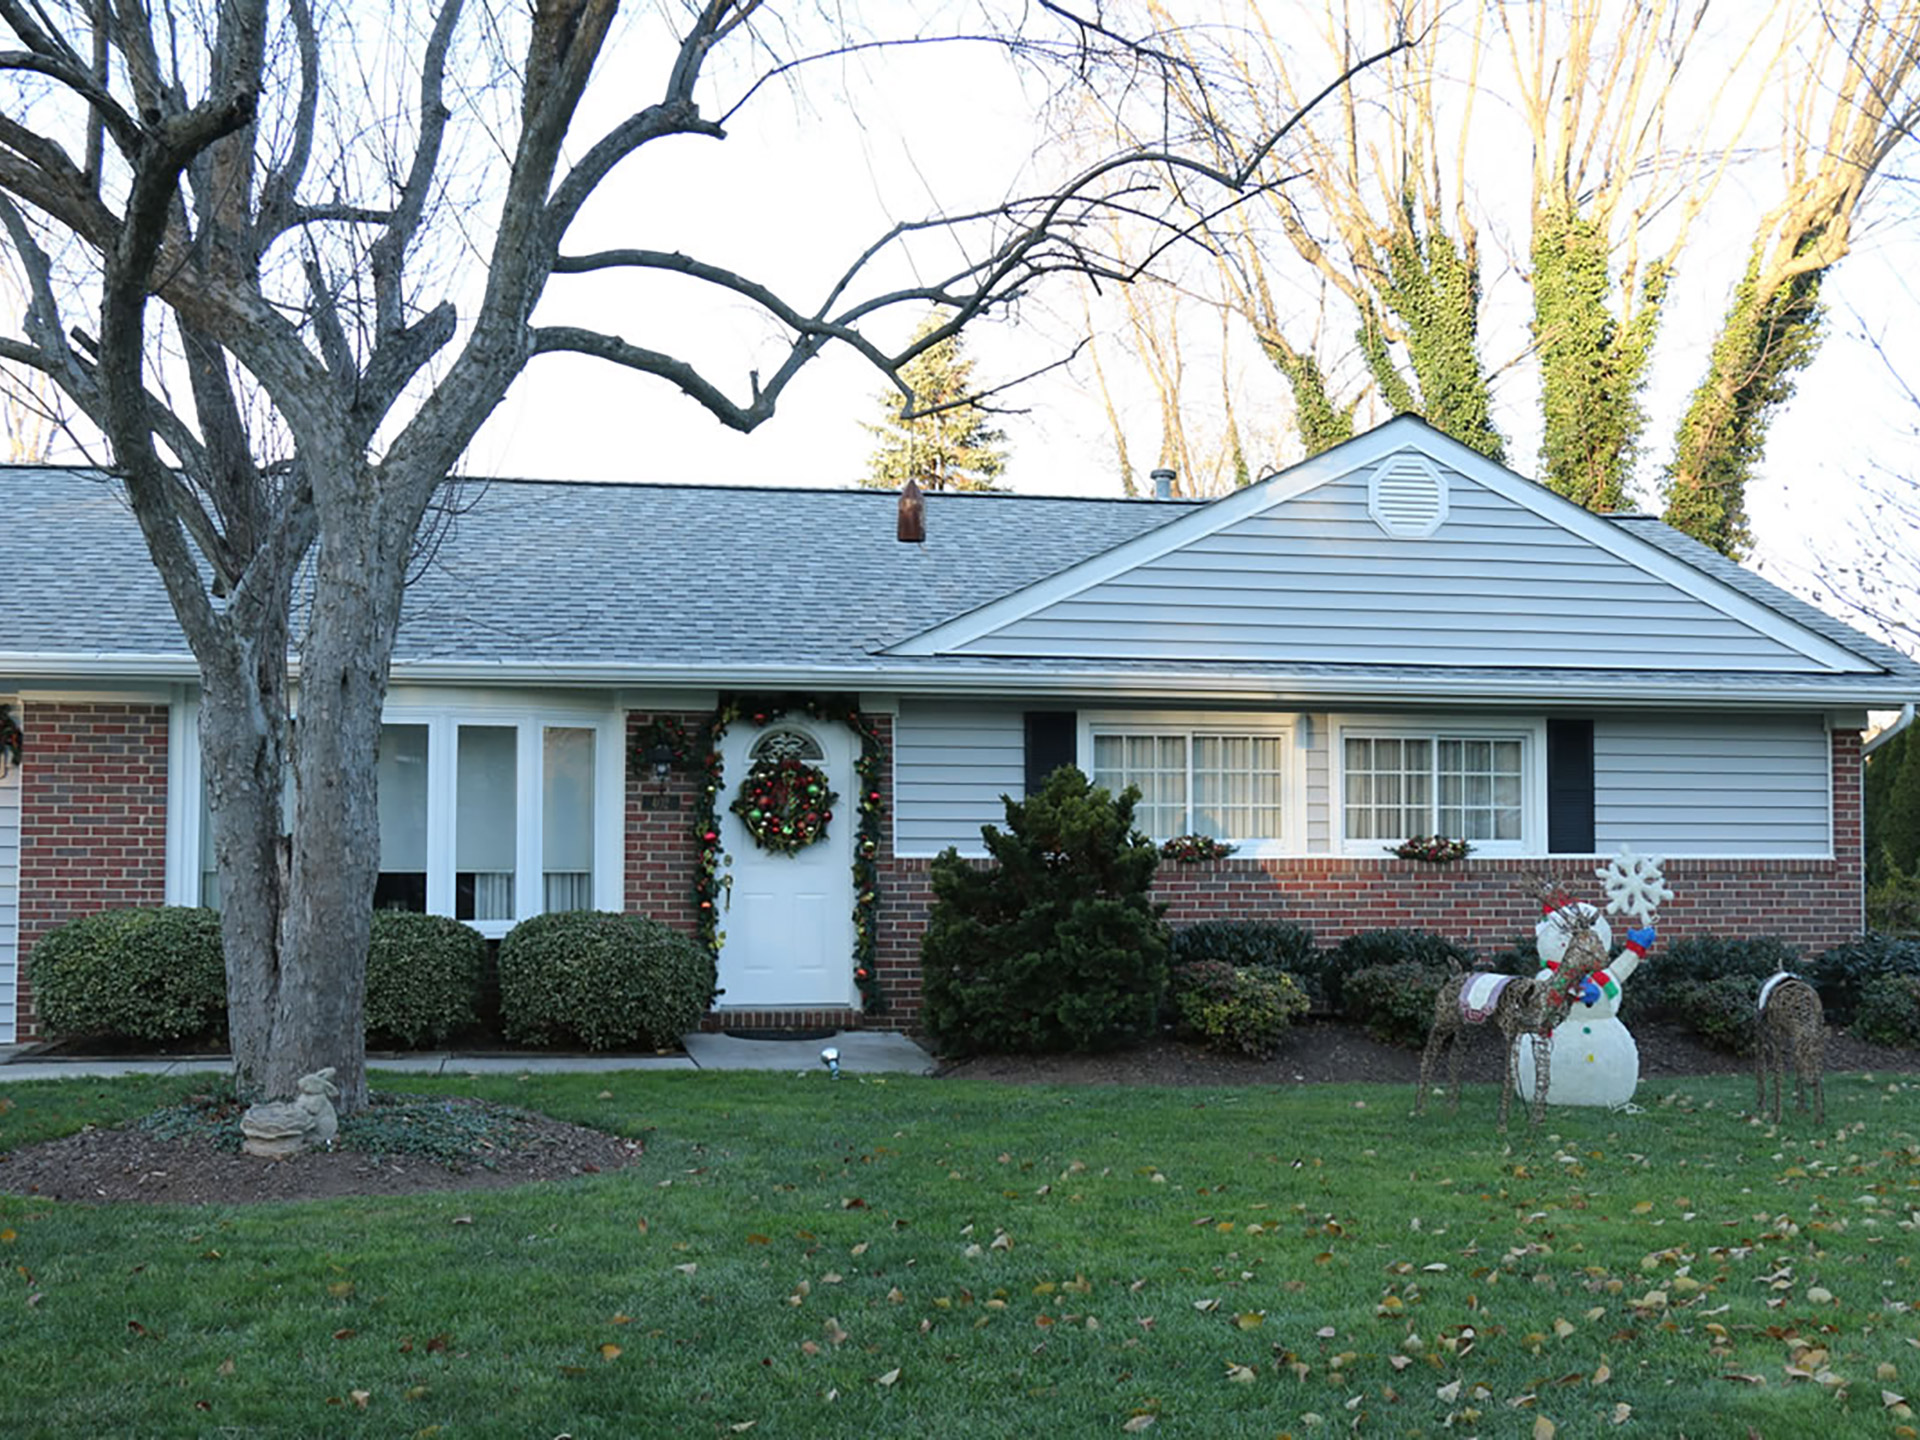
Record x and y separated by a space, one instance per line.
934 430
1057 946
1892 800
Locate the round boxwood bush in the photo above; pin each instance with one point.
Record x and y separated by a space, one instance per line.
1372 948
1888 1012
1395 1000
602 979
1724 1010
153 975
423 978
1842 974
1668 984
1246 944
1236 1008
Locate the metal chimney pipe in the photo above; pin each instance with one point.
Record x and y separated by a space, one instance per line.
912 526
1162 483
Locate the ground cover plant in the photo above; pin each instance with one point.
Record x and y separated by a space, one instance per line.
795 1256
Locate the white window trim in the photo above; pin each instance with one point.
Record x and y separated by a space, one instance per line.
1285 727
1530 731
442 719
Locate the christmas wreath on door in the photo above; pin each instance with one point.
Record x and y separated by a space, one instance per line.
785 803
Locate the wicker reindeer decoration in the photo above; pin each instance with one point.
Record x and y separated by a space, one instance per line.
1517 1006
1792 1027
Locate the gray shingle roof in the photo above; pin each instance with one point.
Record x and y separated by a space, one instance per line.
683 578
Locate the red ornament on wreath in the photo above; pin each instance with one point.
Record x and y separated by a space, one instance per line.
785 804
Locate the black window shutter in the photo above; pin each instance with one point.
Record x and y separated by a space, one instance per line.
1053 740
1570 787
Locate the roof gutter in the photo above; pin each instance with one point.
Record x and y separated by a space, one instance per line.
1906 719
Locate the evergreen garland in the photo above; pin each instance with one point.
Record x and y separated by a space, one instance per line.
12 741
709 881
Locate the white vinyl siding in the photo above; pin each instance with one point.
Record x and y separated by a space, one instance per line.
1708 785
1314 579
953 765
10 893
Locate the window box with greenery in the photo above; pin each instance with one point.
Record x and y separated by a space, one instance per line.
1477 785
1233 781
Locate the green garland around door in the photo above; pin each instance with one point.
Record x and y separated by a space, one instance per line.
710 878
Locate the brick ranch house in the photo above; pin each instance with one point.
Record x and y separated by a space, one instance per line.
1396 638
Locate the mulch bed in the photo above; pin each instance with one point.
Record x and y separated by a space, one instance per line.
128 1163
131 1164
1326 1050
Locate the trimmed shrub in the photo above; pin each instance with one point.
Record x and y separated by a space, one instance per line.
1665 985
1722 1010
1842 974
1520 957
1057 946
154 974
1247 944
602 979
1889 1011
1893 904
1236 1008
1395 1000
1374 948
423 977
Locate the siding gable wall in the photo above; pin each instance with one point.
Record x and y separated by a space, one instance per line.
1314 579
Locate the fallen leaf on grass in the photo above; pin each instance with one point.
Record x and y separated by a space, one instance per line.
360 1397
743 1426
1602 1374
1137 1424
889 1378
1241 1374
1543 1428
610 1351
641 1224
687 1269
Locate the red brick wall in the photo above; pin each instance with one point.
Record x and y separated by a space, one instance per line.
1482 903
662 852
93 819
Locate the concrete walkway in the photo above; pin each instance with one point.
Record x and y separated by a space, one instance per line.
862 1052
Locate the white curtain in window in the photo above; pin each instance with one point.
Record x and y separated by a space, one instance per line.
566 818
485 805
402 777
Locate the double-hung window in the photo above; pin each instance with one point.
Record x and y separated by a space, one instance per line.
1231 784
1462 784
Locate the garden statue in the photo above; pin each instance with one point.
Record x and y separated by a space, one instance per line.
1793 1027
1594 1060
276 1129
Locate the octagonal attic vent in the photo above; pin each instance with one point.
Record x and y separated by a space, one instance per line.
1407 497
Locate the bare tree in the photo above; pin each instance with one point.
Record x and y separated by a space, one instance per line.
280 369
1852 97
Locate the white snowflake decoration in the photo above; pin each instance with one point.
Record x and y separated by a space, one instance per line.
1634 884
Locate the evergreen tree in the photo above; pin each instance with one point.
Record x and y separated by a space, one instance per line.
1892 798
955 447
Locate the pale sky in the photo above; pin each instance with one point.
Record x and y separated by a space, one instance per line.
801 184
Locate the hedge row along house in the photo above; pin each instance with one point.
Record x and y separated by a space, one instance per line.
1395 639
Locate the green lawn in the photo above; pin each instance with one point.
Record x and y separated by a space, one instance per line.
796 1257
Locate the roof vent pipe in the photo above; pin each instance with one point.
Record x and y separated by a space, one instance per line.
912 528
1162 484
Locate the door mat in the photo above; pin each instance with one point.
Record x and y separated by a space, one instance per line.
779 1034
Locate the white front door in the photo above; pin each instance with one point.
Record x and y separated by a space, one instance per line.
788 919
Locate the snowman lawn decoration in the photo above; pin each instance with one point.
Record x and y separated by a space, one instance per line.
1594 1060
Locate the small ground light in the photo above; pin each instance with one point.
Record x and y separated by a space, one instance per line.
830 1058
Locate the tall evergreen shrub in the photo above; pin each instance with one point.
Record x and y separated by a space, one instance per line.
1056 946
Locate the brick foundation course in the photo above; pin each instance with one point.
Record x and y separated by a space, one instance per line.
1484 904
93 820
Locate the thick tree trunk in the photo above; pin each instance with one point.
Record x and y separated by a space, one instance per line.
319 1006
243 728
